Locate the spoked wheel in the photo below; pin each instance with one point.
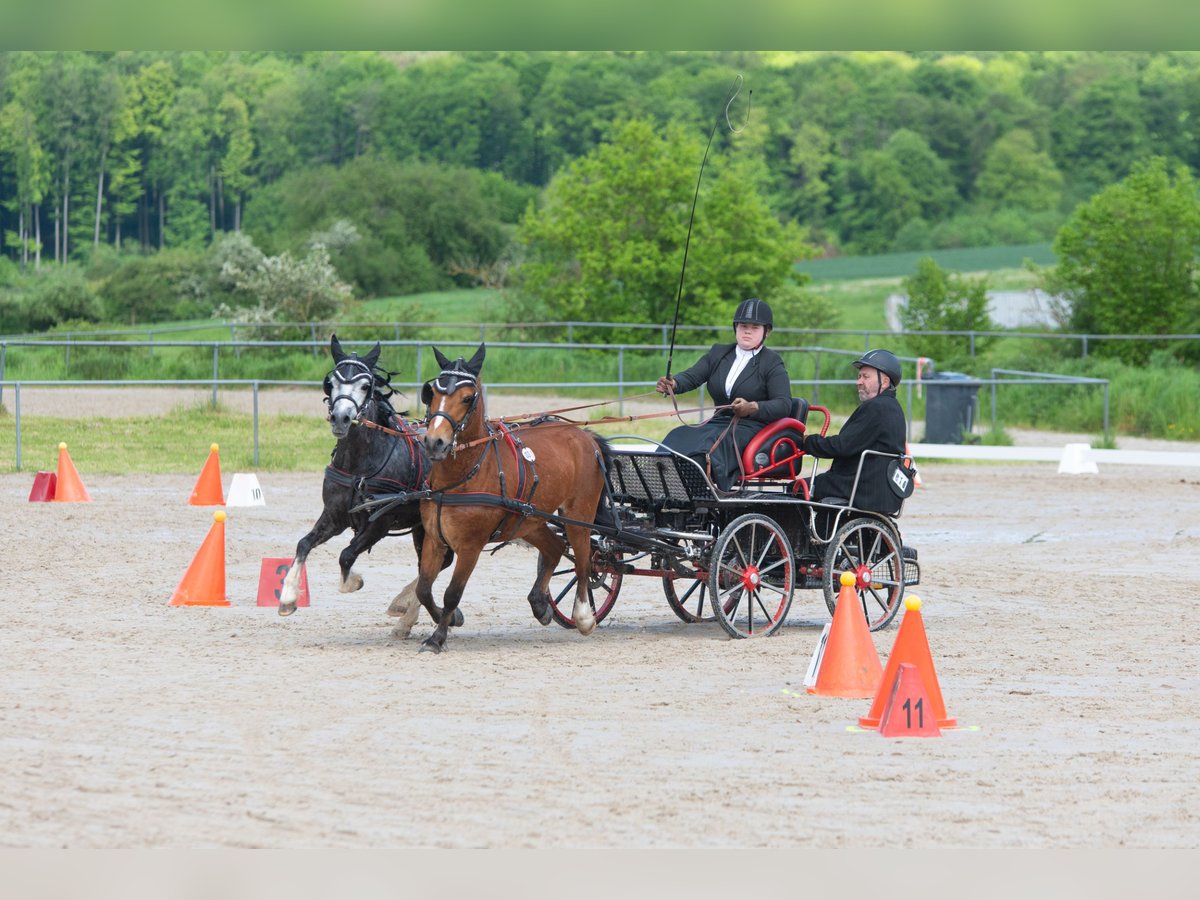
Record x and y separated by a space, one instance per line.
688 597
603 586
752 576
692 605
870 550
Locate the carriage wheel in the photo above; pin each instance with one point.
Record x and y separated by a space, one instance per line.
752 576
603 587
692 605
870 550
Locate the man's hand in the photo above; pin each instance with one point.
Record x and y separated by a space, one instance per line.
742 408
666 385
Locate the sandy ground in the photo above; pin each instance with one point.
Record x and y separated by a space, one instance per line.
1058 609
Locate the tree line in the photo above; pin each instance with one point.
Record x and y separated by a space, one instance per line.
155 185
870 151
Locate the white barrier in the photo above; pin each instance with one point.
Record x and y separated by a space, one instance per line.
1073 454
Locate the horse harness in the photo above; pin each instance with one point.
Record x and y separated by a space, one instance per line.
447 382
365 487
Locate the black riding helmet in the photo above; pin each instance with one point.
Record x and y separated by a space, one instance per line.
883 360
754 312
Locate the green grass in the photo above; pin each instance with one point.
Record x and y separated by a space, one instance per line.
175 443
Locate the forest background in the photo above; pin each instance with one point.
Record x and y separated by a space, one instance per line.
141 187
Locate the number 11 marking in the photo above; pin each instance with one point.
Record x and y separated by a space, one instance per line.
920 708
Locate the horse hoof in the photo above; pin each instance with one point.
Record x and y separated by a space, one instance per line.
351 584
458 618
286 609
429 645
541 610
401 632
585 629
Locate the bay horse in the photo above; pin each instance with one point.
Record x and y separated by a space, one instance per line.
366 460
484 482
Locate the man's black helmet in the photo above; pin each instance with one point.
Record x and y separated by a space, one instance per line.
883 360
754 312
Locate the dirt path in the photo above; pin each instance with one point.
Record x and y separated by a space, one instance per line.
1059 610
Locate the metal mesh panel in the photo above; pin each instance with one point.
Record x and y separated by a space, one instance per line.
659 479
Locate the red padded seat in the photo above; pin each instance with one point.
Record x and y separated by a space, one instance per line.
777 450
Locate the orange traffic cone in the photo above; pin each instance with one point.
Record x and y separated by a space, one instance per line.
911 647
907 712
207 491
68 487
203 583
850 666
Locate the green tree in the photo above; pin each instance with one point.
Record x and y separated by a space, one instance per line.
1127 258
1018 175
942 301
609 242
876 200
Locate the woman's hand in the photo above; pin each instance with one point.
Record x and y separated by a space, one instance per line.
666 385
743 408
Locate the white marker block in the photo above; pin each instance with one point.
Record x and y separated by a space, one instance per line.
244 491
1076 460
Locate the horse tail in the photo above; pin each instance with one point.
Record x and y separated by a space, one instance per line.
604 459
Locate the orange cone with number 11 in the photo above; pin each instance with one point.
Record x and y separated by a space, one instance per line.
907 712
911 647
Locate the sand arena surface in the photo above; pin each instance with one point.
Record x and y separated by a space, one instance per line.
1059 611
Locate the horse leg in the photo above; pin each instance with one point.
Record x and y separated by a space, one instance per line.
463 568
361 542
550 551
405 604
326 527
581 545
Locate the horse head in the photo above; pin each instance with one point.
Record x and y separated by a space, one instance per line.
350 388
451 399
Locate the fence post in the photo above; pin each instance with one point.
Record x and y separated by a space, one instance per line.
215 352
1106 411
1085 346
993 401
312 330
418 367
621 381
816 398
255 389
908 419
67 357
3 353
972 349
17 417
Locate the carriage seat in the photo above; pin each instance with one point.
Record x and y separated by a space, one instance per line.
777 450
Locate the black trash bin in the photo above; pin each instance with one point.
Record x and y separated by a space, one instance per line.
949 406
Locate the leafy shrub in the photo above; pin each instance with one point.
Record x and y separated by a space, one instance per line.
169 284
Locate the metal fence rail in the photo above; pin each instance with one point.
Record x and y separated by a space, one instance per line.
658 335
801 387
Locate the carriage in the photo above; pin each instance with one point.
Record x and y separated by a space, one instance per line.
737 557
608 509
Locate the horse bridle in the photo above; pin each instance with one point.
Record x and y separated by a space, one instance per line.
364 375
447 382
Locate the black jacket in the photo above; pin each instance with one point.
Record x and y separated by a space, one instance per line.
877 424
765 380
